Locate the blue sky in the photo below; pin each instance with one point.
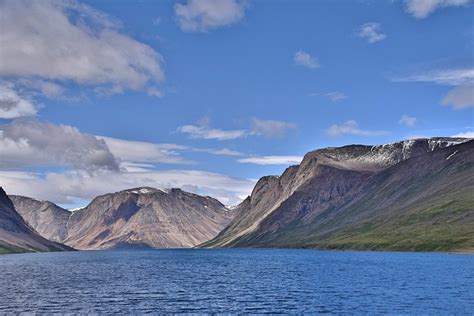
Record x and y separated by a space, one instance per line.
210 95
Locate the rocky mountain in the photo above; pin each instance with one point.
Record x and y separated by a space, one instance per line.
48 219
141 217
16 235
410 195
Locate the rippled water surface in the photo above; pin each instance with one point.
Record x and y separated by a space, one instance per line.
254 281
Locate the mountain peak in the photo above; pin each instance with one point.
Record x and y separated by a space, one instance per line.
146 190
377 157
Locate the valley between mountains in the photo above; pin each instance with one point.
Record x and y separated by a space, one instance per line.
413 195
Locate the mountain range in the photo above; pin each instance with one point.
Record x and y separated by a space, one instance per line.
409 195
139 217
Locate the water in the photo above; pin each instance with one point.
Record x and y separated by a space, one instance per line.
237 280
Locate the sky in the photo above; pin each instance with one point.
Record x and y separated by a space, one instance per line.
211 95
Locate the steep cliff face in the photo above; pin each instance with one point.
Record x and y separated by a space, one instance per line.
48 219
16 235
364 197
141 217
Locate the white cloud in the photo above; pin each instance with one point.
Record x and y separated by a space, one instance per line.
12 105
32 143
205 15
99 164
421 9
224 152
66 187
69 41
351 127
336 96
270 128
40 86
272 160
372 32
128 166
465 135
450 77
155 92
302 58
259 127
407 120
136 151
206 132
461 97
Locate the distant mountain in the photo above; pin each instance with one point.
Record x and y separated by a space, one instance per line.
16 235
48 219
410 195
141 217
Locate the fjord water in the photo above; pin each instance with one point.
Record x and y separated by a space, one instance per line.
237 280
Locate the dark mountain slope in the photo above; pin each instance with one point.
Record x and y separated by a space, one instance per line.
16 235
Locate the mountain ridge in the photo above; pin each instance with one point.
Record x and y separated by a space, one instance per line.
336 198
136 217
325 181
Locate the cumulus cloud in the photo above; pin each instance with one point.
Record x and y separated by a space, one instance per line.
66 187
205 15
270 128
351 127
33 143
93 165
421 9
407 120
372 32
304 59
69 41
461 97
30 143
12 105
272 160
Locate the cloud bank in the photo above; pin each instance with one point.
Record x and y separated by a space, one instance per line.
66 187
